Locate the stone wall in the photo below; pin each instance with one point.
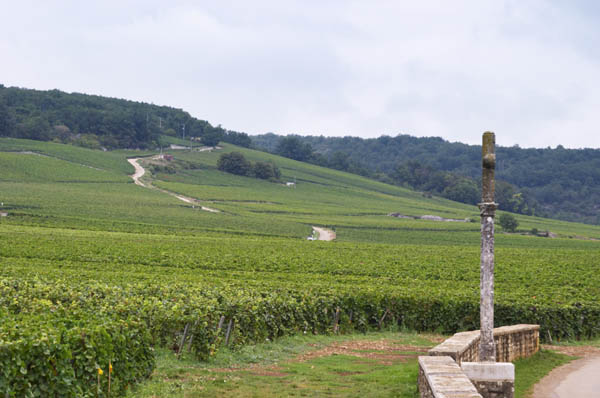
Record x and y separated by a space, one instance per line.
512 342
440 372
442 377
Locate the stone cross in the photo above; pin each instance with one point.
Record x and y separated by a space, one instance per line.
487 207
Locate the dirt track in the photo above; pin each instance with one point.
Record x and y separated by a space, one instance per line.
324 233
140 171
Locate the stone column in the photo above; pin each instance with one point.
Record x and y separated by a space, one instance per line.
487 207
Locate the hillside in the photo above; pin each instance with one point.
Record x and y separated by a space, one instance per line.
559 183
96 122
356 206
90 259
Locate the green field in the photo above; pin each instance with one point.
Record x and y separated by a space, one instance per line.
90 259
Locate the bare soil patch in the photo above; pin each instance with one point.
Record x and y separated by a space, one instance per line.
575 351
382 351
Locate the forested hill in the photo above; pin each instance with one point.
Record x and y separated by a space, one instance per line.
99 122
558 183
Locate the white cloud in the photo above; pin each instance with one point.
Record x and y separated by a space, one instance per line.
527 70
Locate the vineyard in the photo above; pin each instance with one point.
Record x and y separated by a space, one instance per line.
96 272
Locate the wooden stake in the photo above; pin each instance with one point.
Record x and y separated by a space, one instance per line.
185 330
229 330
336 320
383 318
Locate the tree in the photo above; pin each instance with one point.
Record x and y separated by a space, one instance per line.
234 163
464 191
508 222
339 161
35 128
291 147
6 120
266 171
211 137
239 139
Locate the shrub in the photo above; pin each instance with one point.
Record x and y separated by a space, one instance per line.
234 163
508 222
266 171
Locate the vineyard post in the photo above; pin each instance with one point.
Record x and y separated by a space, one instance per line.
487 207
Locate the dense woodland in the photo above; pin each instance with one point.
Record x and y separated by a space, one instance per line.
100 122
559 183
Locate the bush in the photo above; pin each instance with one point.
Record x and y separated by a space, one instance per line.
234 163
266 171
508 222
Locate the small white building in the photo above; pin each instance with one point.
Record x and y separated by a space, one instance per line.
290 184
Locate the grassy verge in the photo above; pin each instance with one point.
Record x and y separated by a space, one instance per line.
529 371
371 365
579 343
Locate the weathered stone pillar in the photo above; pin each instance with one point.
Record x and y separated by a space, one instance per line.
492 379
487 207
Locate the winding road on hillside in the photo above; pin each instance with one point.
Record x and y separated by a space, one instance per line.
577 379
140 171
324 233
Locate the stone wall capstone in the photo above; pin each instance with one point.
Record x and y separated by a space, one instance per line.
440 373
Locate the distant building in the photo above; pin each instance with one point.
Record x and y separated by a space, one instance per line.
290 184
168 157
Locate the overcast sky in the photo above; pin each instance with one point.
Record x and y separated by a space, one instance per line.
528 70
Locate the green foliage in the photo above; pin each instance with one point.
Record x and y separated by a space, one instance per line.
212 137
529 371
94 121
114 251
266 171
59 354
234 163
425 178
559 183
292 147
240 372
508 222
40 168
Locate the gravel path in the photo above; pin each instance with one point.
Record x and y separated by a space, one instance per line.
140 171
324 233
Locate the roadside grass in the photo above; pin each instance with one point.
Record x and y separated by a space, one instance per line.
595 342
529 371
296 366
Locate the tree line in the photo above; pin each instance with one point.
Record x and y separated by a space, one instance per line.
549 182
100 122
